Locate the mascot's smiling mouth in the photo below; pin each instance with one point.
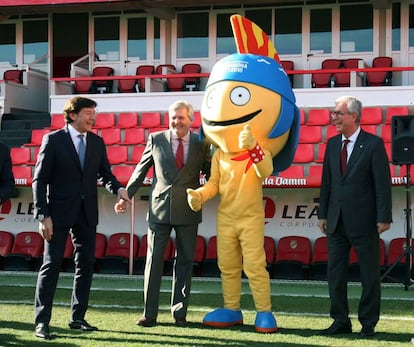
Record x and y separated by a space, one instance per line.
243 119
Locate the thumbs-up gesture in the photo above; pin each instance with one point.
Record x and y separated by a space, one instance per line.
194 199
246 138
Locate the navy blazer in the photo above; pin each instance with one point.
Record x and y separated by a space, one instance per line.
168 197
60 185
363 194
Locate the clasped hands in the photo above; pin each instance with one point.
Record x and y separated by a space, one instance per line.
123 201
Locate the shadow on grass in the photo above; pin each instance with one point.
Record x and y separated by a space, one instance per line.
379 336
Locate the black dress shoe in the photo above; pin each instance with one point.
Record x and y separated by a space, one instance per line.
146 322
42 331
337 328
82 324
367 332
180 322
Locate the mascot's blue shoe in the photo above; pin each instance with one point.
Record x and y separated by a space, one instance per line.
265 322
223 318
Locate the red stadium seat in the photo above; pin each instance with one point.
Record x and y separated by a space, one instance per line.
117 154
395 111
57 121
127 85
104 120
13 75
199 255
371 115
139 261
6 244
315 171
343 79
111 136
134 136
302 116
127 119
209 267
191 83
26 252
196 123
331 131
20 155
136 155
288 65
117 253
293 256
310 134
176 83
319 117
100 245
321 152
293 171
22 172
159 69
270 251
123 172
304 153
372 129
37 137
388 149
319 264
144 70
324 80
380 78
150 120
103 86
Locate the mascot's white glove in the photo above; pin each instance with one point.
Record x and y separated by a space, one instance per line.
194 199
246 138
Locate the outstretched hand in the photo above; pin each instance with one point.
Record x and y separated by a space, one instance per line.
194 199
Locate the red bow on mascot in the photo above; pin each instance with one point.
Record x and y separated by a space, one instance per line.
249 115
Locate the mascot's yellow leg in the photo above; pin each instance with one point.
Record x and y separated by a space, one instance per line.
241 244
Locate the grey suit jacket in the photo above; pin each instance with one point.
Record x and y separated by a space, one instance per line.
363 194
168 197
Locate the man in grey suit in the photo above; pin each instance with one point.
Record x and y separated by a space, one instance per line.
65 198
168 208
355 208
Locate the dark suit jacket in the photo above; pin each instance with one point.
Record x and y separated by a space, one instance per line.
168 197
58 170
6 174
363 194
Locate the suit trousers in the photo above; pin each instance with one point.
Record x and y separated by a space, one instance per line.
367 249
157 238
84 238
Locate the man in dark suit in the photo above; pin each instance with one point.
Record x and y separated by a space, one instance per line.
168 208
6 174
65 198
355 208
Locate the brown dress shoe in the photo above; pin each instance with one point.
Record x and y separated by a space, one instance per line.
146 322
180 322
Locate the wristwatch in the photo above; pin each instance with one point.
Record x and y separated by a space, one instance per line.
41 217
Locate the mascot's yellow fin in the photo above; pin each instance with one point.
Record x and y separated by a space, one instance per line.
250 38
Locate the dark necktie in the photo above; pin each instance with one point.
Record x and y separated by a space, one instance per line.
179 156
344 156
81 150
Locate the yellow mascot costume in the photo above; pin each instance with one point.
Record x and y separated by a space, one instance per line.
249 115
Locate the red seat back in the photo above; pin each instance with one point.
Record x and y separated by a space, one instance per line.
127 119
29 243
294 248
100 245
119 244
270 249
68 253
320 250
144 70
6 242
211 251
13 75
159 69
200 250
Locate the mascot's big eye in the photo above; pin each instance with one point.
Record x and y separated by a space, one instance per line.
211 98
240 96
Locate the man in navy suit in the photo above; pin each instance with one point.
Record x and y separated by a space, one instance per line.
65 198
168 208
355 208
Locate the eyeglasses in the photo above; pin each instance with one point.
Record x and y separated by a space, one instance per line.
338 114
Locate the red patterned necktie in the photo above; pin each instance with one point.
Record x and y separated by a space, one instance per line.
179 156
344 156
